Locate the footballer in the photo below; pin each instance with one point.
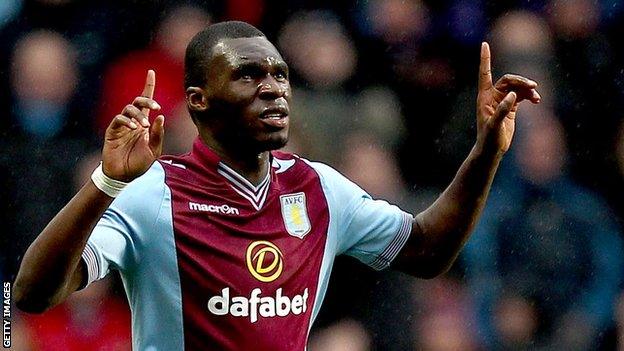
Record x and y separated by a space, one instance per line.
231 246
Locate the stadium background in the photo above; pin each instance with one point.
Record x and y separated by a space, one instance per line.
384 91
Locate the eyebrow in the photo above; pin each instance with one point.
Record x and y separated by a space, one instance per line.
258 65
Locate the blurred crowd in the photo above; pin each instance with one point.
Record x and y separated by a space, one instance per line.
384 91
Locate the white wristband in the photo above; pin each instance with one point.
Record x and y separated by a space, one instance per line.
109 186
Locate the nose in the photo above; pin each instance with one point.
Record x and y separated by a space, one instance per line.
270 89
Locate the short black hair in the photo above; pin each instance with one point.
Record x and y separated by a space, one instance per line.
199 49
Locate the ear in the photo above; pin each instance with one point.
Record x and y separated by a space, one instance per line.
196 99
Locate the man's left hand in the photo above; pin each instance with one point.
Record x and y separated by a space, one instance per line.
497 105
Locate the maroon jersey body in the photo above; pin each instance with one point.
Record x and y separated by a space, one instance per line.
246 282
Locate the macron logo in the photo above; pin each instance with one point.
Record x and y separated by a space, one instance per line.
223 209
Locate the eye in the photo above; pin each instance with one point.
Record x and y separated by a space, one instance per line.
247 74
280 76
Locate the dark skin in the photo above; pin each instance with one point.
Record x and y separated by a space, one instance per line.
250 82
439 232
242 114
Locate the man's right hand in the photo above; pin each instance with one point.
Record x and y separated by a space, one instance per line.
51 270
131 144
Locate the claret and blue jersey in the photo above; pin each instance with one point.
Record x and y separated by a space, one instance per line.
211 261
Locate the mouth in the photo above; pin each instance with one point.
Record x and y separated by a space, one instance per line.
276 117
276 112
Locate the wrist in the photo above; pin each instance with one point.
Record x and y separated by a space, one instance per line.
107 185
483 148
487 153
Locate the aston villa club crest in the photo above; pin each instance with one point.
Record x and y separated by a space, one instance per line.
295 214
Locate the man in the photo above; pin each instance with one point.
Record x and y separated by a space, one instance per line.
231 246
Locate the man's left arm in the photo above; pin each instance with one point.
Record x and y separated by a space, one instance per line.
439 232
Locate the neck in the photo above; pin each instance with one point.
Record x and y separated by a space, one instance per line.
250 164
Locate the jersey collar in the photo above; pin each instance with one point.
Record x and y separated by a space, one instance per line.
255 194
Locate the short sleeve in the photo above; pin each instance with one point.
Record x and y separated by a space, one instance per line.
115 241
373 231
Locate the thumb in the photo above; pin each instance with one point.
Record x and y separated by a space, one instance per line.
505 107
157 133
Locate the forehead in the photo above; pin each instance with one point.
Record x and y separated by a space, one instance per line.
241 50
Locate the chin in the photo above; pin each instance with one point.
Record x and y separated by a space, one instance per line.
275 143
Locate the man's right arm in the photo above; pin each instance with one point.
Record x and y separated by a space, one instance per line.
51 268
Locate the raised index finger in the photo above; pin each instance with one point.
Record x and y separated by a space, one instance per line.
485 70
150 84
148 89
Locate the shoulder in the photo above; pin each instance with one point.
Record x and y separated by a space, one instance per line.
284 161
337 188
294 165
583 203
333 180
293 171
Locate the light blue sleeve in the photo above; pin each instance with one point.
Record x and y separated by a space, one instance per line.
116 240
373 231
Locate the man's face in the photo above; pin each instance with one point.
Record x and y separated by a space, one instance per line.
248 94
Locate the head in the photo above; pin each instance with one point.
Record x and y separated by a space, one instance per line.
44 68
541 152
318 48
178 28
522 36
44 77
237 88
398 21
568 24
